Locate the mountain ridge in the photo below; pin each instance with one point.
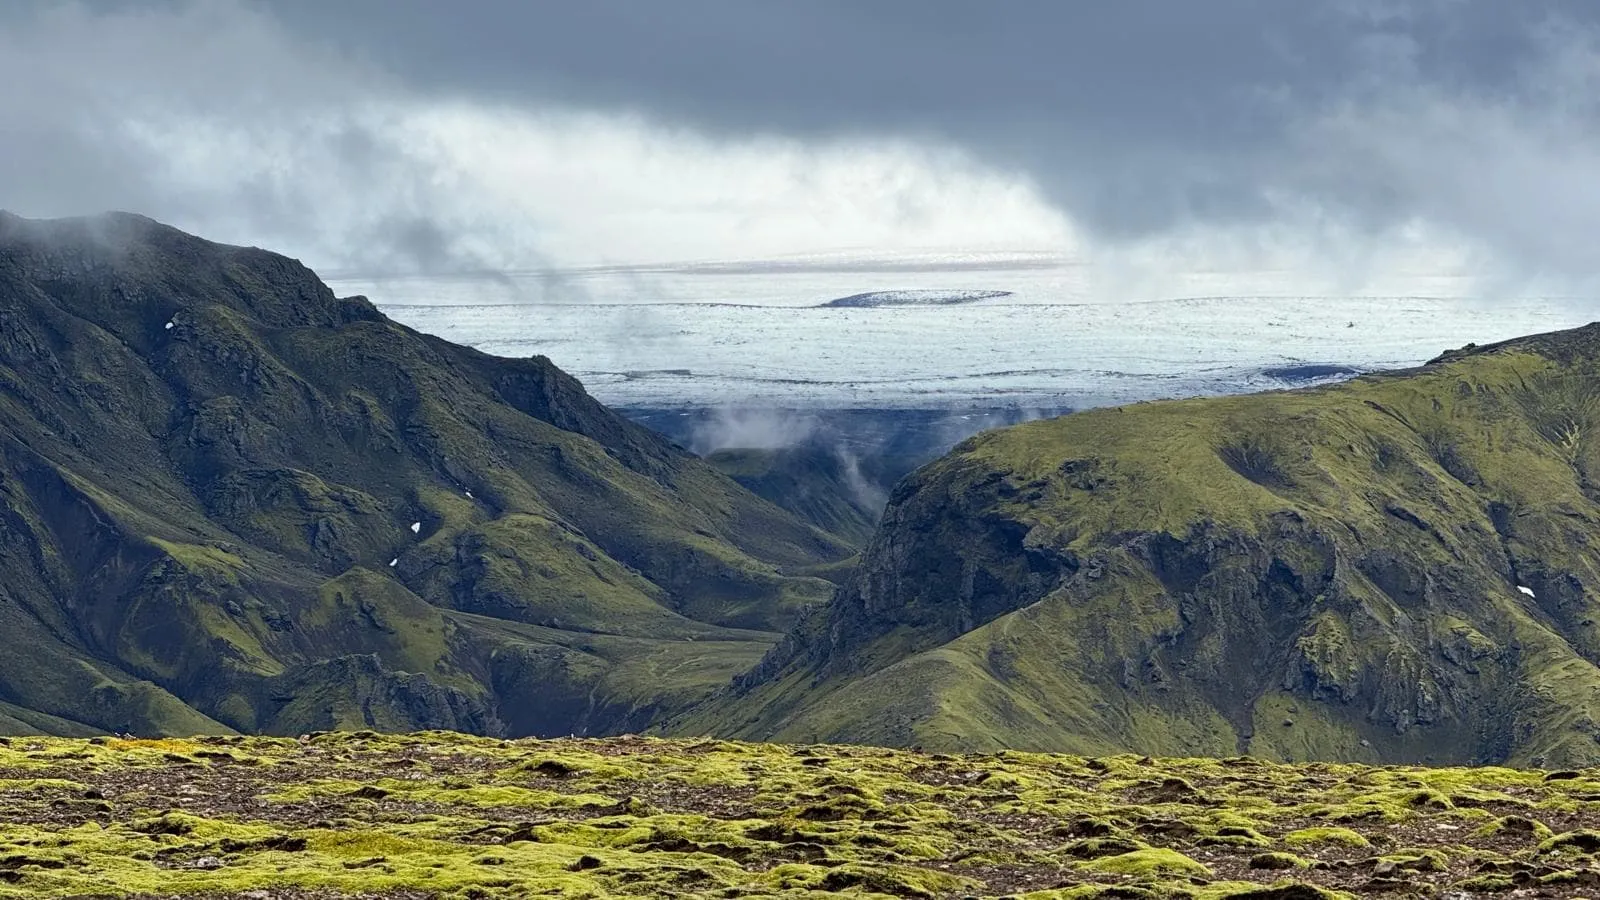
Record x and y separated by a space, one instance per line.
230 500
1399 568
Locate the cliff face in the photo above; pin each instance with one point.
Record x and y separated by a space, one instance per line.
1405 567
230 500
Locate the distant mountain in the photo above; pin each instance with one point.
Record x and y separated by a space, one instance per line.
1402 567
232 501
913 298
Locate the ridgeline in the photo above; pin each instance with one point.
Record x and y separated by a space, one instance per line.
1400 568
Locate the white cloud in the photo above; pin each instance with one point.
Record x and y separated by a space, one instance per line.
212 116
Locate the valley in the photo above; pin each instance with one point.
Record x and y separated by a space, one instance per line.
303 603
907 450
255 507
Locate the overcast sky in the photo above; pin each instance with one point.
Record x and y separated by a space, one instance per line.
1345 140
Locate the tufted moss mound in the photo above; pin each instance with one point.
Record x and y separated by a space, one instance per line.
444 815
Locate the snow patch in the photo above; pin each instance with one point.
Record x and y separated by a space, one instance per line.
416 527
469 495
1526 590
394 562
169 325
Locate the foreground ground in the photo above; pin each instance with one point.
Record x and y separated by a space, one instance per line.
442 815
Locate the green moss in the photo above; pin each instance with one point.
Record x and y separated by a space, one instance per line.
1417 860
1309 837
897 881
1237 836
447 794
1515 827
1277 861
1570 843
451 815
1098 847
1157 861
564 764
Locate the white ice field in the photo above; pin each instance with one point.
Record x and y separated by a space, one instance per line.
758 335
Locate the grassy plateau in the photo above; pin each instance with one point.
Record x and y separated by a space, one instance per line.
446 815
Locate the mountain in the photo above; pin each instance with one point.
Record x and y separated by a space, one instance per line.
1403 567
232 501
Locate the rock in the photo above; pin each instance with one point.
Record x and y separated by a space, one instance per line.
1280 892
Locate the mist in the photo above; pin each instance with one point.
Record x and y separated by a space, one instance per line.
1176 148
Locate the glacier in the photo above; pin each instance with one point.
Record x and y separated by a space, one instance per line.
1030 331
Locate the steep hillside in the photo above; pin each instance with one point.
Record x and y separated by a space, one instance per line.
814 483
833 468
446 816
232 501
1404 567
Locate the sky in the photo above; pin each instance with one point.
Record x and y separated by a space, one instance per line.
1343 142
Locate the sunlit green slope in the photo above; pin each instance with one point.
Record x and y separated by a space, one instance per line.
1402 567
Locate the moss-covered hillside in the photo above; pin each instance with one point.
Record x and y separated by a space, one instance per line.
231 501
447 816
1405 567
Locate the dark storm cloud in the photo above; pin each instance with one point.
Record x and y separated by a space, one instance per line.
1144 68
1134 113
395 133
